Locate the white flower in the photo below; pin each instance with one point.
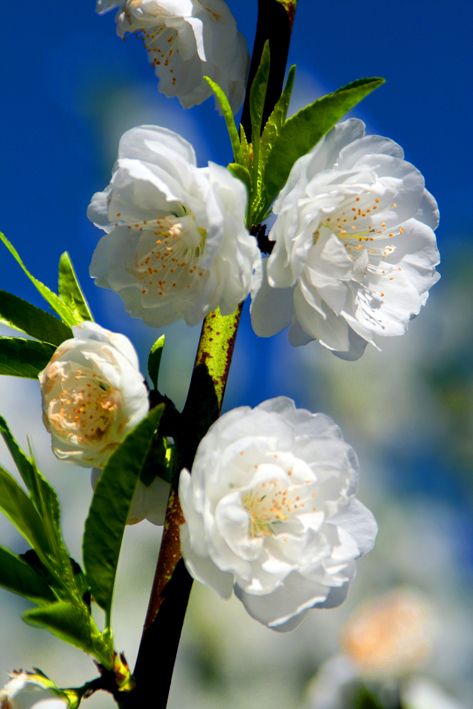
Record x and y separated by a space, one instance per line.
177 246
93 395
187 40
421 693
337 685
390 635
31 691
271 512
149 501
355 252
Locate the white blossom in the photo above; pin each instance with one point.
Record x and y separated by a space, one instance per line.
31 691
270 512
176 244
390 635
187 40
355 252
149 501
93 394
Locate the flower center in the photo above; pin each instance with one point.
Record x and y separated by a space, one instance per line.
356 224
84 411
168 255
270 504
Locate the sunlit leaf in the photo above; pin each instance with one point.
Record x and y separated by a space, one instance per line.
108 512
18 577
304 130
54 301
227 112
154 359
70 291
16 505
21 315
24 358
73 624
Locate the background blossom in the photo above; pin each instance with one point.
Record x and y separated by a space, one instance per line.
355 252
92 395
176 245
31 691
187 40
271 512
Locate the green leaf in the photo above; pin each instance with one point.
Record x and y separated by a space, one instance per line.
70 291
16 576
227 112
277 118
259 88
71 623
154 359
24 358
19 509
45 500
108 512
21 315
304 130
54 301
241 173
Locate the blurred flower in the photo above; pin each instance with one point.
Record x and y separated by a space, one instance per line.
337 685
93 395
149 501
271 512
421 693
389 635
31 691
355 252
177 246
187 40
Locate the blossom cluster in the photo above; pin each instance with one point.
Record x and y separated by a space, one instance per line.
354 250
270 509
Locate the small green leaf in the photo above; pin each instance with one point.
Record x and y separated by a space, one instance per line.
304 130
108 512
71 623
24 358
154 359
16 576
259 88
45 500
277 118
227 112
241 173
64 312
19 509
70 291
21 315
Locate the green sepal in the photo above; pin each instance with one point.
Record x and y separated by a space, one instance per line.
105 524
73 624
24 358
21 315
70 291
154 360
304 130
227 112
18 577
59 307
